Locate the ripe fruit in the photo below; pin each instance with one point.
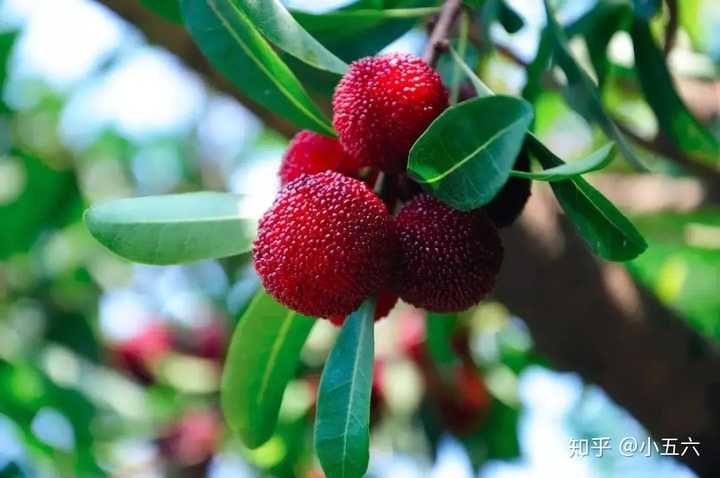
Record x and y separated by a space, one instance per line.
382 105
310 153
448 258
509 203
138 354
325 245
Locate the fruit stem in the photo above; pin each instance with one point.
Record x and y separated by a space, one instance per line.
441 31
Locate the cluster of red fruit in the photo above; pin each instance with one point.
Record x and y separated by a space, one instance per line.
329 241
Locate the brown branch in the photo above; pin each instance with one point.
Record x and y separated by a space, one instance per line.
176 40
439 36
660 145
589 316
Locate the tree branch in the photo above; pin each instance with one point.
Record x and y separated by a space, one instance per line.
439 36
590 317
176 40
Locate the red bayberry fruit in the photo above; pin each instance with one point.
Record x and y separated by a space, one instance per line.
326 244
138 354
509 203
310 153
448 258
382 105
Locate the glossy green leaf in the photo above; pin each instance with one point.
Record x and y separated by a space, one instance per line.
581 92
342 423
597 27
605 229
357 21
233 45
480 88
594 161
174 228
440 329
168 9
261 360
354 32
462 158
673 116
277 25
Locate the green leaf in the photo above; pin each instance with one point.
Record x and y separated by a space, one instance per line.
261 360
480 88
674 117
462 158
174 228
606 230
40 202
646 9
342 423
168 9
597 27
349 22
356 31
439 337
594 161
275 22
582 93
233 45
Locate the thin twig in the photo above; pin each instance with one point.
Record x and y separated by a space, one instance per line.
441 30
660 145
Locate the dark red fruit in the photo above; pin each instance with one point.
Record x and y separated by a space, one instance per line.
138 354
326 244
311 153
382 105
192 439
509 203
449 258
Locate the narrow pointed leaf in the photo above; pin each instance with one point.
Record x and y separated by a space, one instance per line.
277 25
342 424
462 158
174 228
357 20
480 88
262 358
592 162
674 117
234 46
581 92
605 229
610 234
364 27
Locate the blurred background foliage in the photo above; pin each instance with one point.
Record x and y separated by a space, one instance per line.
112 369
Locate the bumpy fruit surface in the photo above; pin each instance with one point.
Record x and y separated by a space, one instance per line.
509 203
326 244
449 258
311 153
382 105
